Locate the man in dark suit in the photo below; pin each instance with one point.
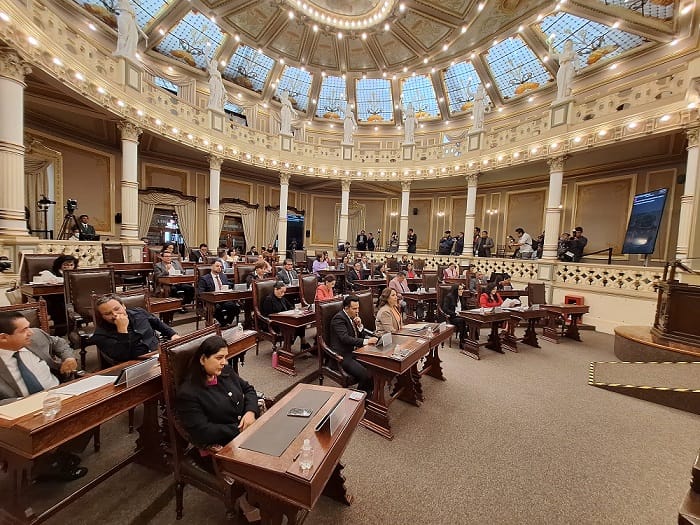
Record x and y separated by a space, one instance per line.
354 274
348 334
287 274
87 231
411 240
370 242
122 334
361 241
200 256
216 281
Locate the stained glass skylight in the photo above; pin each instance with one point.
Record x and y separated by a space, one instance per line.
655 9
419 91
249 68
461 82
331 99
297 83
592 40
515 67
146 10
193 40
374 102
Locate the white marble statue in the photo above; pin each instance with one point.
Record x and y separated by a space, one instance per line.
567 69
287 113
127 31
217 91
409 123
480 107
349 124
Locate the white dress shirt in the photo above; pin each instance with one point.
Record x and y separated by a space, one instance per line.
37 366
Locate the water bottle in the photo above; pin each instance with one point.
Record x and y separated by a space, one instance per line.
306 458
428 333
274 359
239 328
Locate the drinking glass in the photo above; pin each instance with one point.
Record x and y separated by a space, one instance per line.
51 406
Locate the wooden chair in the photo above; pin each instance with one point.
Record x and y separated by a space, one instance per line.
367 313
329 360
242 271
307 288
79 287
251 259
299 258
536 294
34 263
261 289
392 264
199 271
175 357
114 253
418 265
430 280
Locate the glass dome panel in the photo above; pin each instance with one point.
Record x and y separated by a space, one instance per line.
419 91
374 101
515 67
249 68
297 83
332 97
461 82
193 40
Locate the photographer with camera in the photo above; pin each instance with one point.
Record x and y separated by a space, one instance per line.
577 243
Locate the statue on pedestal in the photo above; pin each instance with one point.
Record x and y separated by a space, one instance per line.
480 107
217 91
349 124
127 31
567 69
287 113
409 122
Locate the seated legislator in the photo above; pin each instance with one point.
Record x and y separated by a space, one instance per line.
410 272
388 315
288 273
348 334
477 282
259 273
399 284
450 272
452 305
354 274
56 304
214 404
169 266
321 263
122 334
30 360
276 302
227 311
490 297
326 290
379 271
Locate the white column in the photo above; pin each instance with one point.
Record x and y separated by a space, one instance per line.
403 222
470 214
552 219
689 212
344 212
282 224
130 133
213 219
12 196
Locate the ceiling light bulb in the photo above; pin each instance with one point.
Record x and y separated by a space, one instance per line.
120 103
692 105
364 36
464 29
686 9
534 150
33 41
516 155
57 61
602 132
101 90
190 136
577 139
340 35
315 28
79 76
158 122
632 125
665 118
291 15
387 27
616 25
92 26
139 112
161 31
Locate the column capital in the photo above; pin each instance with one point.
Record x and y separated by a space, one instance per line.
215 162
129 131
12 66
557 163
345 185
405 185
472 179
693 135
284 178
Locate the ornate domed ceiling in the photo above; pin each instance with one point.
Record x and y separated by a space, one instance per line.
378 54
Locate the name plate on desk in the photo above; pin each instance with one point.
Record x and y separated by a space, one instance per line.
135 374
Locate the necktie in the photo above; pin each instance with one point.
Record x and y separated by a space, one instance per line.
218 283
31 382
289 277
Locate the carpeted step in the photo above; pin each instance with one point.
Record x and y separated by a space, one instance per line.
674 384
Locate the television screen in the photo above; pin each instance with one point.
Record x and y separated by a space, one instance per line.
645 220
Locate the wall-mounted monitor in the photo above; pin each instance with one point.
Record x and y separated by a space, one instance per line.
645 220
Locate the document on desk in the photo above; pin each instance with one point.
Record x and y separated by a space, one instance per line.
23 407
416 327
84 385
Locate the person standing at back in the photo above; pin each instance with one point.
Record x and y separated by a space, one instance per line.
412 241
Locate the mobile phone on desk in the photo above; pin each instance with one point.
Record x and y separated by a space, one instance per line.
299 412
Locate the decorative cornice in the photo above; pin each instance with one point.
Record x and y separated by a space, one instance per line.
289 208
169 191
12 66
232 200
215 162
129 131
557 163
693 135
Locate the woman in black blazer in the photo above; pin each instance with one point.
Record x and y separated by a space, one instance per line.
214 404
451 305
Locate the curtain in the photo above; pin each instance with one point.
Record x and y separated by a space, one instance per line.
186 210
456 138
36 184
356 220
271 226
248 218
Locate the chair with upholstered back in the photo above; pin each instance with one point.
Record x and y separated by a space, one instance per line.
441 291
261 289
536 294
34 263
299 259
200 271
175 359
250 259
79 285
307 287
112 253
392 264
242 272
329 360
367 313
430 280
35 312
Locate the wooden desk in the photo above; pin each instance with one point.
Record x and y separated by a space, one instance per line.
24 439
245 297
276 484
239 342
561 312
142 269
288 322
384 369
476 320
414 283
510 342
512 294
413 299
34 291
164 283
376 285
431 366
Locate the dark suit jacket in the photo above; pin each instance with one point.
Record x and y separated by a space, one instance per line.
140 338
86 229
353 276
211 414
449 305
206 282
343 338
282 276
53 350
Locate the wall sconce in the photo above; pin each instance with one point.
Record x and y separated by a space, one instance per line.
491 212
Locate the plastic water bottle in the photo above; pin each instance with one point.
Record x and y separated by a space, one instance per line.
274 359
306 458
239 328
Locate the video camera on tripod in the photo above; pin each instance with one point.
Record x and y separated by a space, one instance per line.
71 206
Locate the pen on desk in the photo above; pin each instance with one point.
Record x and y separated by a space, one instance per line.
296 457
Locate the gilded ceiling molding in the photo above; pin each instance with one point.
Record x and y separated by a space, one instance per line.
289 208
233 200
12 66
129 131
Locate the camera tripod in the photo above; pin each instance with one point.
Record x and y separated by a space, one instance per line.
69 222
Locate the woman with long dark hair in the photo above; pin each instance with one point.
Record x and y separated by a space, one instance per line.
452 305
490 297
